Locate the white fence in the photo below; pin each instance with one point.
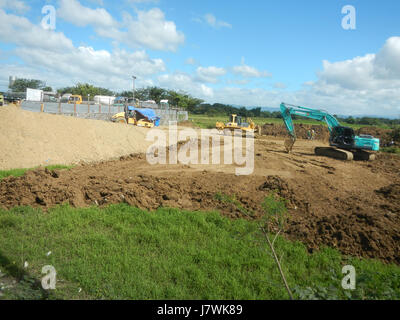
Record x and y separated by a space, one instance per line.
100 112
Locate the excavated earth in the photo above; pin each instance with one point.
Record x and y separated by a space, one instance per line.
353 206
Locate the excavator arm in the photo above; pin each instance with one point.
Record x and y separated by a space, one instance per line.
347 144
288 110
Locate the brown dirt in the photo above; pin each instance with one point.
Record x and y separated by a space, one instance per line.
29 139
279 130
353 206
384 135
187 123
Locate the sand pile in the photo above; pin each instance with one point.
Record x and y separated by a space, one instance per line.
29 139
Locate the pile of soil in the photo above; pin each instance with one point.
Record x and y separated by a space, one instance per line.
279 130
384 135
320 214
29 139
356 226
102 184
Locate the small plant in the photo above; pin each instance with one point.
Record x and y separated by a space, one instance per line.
274 219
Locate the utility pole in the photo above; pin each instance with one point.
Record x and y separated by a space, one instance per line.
134 78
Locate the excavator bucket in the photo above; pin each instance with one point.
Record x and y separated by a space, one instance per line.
289 142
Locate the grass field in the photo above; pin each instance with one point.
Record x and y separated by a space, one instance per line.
120 252
207 122
21 172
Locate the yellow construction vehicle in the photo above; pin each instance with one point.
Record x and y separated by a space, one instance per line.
235 122
75 99
138 117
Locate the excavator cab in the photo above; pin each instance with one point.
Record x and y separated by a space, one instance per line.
342 137
235 119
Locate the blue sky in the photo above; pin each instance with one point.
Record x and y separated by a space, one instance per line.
253 53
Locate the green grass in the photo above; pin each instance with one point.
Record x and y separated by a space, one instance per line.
21 172
395 150
206 122
120 252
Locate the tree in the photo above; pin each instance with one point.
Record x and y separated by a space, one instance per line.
84 89
157 94
20 85
47 89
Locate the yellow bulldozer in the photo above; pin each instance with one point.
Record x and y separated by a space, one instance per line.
137 117
236 122
75 99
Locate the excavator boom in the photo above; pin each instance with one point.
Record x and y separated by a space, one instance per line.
346 144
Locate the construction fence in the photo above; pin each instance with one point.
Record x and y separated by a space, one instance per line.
97 111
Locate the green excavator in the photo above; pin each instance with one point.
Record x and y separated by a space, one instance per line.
344 144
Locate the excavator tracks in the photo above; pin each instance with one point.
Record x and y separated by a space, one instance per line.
339 154
346 155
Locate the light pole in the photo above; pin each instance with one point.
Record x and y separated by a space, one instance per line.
134 78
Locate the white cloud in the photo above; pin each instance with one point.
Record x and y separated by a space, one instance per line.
249 72
72 11
210 74
387 62
111 70
212 21
53 57
369 84
14 5
238 82
148 30
143 1
366 85
183 81
370 72
92 63
191 61
280 85
151 30
20 31
193 84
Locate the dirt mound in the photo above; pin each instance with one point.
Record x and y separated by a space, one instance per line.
29 139
384 135
279 130
322 211
391 192
356 226
88 185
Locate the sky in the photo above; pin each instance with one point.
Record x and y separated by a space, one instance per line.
249 53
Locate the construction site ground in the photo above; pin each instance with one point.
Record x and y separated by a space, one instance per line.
353 206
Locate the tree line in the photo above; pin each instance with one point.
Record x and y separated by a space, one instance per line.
20 85
218 109
182 100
